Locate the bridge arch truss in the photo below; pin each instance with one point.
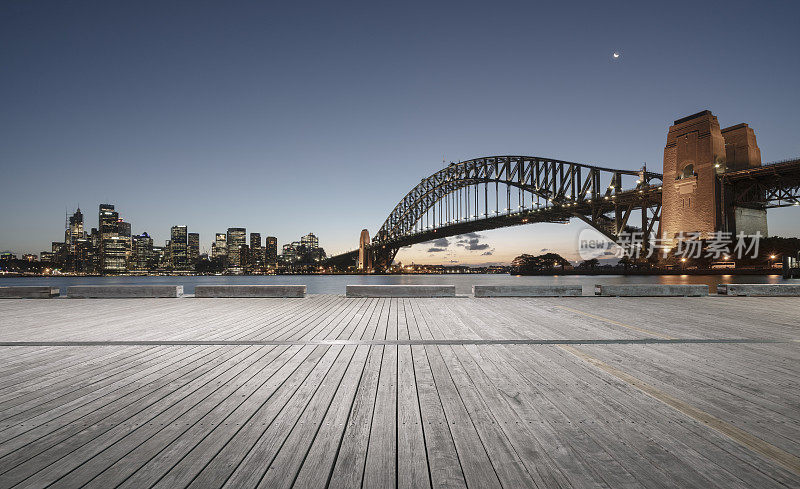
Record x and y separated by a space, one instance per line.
499 191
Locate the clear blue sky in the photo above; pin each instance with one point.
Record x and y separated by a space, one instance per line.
292 117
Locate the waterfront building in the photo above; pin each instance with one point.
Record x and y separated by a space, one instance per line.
74 230
159 258
93 263
7 255
219 248
114 255
142 256
289 253
256 260
112 248
46 256
178 248
30 257
310 242
80 258
124 230
193 248
271 250
236 237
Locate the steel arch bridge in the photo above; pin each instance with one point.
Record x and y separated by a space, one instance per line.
500 191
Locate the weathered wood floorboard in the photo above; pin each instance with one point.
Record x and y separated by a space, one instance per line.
400 392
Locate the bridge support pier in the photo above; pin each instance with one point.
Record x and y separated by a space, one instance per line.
365 259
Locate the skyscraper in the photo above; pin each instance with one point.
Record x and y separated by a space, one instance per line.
271 250
236 237
74 230
177 251
289 253
310 242
193 248
219 249
256 252
124 230
142 258
112 249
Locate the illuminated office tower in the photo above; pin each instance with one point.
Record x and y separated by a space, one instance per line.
74 230
289 252
271 250
236 238
193 248
142 258
219 248
256 251
124 230
114 253
159 259
177 248
310 242
107 220
112 248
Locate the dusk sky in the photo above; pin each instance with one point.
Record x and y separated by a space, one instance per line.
296 117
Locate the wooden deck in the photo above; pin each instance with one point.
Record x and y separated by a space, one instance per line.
462 392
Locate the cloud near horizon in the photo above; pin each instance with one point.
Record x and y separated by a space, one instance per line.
467 241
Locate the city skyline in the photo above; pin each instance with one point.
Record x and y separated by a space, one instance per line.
178 117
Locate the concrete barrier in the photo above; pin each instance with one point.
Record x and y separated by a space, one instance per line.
651 290
123 291
28 292
760 290
526 290
250 291
401 291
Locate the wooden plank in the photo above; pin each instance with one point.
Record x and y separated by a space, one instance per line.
254 465
412 464
238 444
142 460
323 452
348 470
381 464
59 459
332 403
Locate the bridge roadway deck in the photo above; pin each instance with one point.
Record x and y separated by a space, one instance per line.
562 392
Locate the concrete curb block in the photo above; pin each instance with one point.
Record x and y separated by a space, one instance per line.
652 290
124 291
759 290
242 291
401 291
29 292
526 290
